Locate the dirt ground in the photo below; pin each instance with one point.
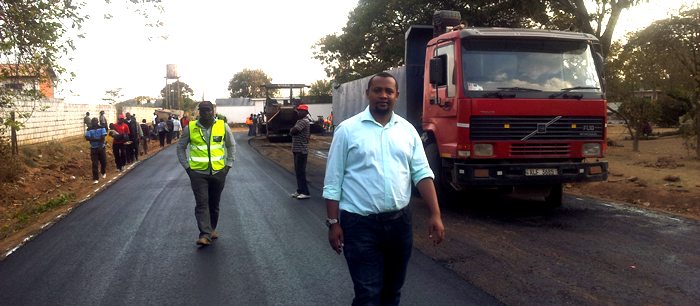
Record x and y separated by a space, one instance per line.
663 176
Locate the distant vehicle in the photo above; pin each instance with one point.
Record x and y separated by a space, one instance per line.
280 117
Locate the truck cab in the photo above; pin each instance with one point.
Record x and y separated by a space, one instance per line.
513 108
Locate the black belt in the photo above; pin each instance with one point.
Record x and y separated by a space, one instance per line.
388 216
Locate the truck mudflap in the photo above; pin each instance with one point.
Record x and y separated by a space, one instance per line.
527 174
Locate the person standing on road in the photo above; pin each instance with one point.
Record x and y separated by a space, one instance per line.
87 121
103 120
96 136
162 130
146 129
121 132
177 127
300 148
206 150
373 159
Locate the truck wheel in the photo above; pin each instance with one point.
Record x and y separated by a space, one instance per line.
444 194
554 198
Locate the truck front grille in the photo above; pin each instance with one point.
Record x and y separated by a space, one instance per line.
537 128
540 149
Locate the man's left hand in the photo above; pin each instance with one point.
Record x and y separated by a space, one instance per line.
436 231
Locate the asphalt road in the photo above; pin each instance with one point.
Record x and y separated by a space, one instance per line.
587 252
134 244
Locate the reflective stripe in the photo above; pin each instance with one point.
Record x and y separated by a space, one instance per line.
205 159
199 159
215 147
463 125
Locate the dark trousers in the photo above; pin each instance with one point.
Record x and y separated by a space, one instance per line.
377 248
161 138
169 137
300 170
131 151
98 155
207 194
119 151
135 148
144 144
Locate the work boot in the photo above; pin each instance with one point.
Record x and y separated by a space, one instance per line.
214 235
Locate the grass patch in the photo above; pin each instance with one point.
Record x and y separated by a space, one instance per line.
24 216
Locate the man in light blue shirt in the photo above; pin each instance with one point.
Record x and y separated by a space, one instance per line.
374 158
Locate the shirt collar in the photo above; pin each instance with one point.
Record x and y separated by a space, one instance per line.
367 116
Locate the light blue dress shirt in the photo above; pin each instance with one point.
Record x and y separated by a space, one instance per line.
370 167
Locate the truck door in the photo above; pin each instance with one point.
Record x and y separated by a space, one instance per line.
445 109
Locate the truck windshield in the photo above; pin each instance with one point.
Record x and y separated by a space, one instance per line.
545 65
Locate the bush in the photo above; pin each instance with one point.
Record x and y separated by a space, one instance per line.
11 166
670 110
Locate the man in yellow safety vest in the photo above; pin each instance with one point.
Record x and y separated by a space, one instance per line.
206 150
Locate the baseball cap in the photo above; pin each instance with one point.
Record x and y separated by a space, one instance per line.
121 116
206 105
303 107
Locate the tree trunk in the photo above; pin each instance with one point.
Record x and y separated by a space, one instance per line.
635 140
697 130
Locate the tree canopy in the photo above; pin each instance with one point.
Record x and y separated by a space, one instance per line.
175 93
246 84
373 38
663 57
321 88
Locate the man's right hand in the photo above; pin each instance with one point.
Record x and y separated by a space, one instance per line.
335 237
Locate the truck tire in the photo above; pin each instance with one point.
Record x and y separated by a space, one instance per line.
445 195
555 196
447 18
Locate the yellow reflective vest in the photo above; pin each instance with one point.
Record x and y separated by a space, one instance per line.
201 154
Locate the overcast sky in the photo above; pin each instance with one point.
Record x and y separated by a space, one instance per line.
211 40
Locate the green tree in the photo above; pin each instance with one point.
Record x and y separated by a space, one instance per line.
373 38
246 84
321 88
672 47
634 69
33 37
174 94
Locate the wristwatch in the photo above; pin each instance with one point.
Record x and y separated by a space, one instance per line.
330 222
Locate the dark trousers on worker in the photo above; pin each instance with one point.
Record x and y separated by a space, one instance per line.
98 155
377 248
119 151
144 144
207 194
169 137
300 170
161 138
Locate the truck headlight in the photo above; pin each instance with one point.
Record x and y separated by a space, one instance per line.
591 149
483 149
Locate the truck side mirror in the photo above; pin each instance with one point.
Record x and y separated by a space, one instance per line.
438 75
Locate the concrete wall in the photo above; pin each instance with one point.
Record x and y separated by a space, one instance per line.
53 119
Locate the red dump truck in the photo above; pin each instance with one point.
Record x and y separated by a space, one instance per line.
512 109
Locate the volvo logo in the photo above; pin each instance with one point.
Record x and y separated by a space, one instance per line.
541 128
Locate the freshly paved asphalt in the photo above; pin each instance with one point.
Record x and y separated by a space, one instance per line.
134 244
